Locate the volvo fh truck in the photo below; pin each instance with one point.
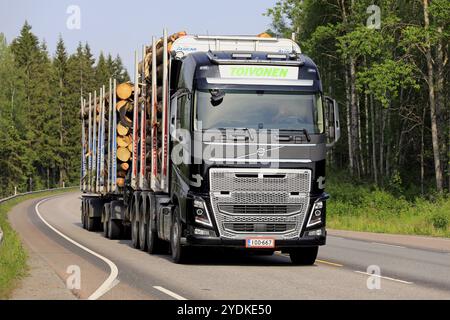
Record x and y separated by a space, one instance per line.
229 136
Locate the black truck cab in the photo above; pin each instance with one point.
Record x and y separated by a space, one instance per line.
249 134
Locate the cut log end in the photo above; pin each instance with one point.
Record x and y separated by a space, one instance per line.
124 90
123 154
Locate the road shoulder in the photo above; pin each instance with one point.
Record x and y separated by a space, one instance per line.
409 241
41 283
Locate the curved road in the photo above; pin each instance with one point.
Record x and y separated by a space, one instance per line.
340 272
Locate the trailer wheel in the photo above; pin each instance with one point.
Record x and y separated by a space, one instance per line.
304 256
83 214
105 217
143 226
179 252
134 228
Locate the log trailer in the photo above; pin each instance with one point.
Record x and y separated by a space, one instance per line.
219 141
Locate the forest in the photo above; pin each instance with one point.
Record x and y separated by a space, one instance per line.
390 78
40 109
386 64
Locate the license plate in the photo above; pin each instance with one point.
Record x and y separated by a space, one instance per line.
260 243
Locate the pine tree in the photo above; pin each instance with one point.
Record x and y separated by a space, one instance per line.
14 160
102 73
60 66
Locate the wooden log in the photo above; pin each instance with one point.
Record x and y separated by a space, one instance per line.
125 166
124 141
123 154
120 182
121 174
121 104
264 35
130 148
124 120
124 90
122 130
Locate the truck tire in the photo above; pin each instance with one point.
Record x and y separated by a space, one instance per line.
304 256
105 217
114 230
134 228
143 228
91 225
83 214
155 245
179 252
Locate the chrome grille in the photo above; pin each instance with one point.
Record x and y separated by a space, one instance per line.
259 201
259 209
259 227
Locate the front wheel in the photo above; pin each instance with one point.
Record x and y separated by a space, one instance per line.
304 256
179 253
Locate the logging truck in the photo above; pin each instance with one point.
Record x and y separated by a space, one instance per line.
218 141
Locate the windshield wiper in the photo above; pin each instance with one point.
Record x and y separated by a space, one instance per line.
304 131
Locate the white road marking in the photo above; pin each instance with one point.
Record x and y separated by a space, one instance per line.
169 293
388 245
110 282
383 277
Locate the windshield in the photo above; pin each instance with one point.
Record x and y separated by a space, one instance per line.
259 110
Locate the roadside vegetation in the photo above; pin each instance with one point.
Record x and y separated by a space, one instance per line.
13 257
359 206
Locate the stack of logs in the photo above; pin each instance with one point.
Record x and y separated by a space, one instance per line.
147 68
124 108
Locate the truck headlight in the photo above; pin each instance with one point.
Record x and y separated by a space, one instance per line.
201 212
316 214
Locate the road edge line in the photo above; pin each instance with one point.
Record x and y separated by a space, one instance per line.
109 282
383 277
169 293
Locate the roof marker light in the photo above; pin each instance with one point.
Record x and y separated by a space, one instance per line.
241 55
276 56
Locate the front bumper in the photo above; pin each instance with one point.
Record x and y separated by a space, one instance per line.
281 244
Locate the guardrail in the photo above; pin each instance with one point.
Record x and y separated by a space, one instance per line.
24 194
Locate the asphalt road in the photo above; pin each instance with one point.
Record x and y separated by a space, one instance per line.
114 270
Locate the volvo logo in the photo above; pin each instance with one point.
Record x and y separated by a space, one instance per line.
261 152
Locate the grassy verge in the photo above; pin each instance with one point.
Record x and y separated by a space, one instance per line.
362 207
13 258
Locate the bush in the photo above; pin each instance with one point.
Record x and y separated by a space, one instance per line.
359 206
439 221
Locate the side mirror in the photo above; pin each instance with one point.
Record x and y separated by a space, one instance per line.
332 122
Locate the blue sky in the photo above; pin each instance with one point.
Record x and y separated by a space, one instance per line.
134 22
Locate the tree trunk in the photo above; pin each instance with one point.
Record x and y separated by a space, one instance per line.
432 101
360 148
354 116
440 103
349 134
374 146
422 147
389 143
366 106
383 127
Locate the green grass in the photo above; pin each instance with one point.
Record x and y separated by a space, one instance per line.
13 258
362 207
